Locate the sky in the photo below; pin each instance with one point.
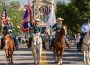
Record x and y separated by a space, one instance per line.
26 1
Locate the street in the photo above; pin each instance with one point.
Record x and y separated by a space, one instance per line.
23 56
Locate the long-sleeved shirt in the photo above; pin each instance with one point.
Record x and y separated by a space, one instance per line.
57 27
85 27
78 38
37 29
9 26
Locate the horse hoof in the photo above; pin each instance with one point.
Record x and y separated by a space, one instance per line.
60 64
35 63
11 62
84 61
55 61
38 62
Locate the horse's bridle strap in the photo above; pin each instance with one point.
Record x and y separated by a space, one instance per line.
86 44
36 43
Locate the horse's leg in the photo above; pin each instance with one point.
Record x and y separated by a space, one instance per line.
88 57
40 53
84 56
7 56
11 58
61 55
34 54
55 54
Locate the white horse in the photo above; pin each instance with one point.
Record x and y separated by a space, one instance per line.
86 48
37 48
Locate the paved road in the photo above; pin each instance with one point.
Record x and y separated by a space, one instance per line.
24 57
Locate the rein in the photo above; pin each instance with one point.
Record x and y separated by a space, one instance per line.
87 44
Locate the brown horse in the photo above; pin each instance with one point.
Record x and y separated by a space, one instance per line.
59 46
9 48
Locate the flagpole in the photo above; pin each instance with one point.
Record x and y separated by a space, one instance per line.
28 19
51 23
51 26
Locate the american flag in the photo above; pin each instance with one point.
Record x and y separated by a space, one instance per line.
4 16
27 19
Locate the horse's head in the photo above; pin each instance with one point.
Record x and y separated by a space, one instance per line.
7 37
86 38
62 31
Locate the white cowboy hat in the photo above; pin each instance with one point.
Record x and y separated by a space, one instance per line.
60 19
3 12
38 20
9 19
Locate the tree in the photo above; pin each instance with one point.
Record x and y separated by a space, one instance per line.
15 15
15 3
73 13
83 7
70 14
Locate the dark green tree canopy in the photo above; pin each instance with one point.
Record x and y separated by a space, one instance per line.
73 13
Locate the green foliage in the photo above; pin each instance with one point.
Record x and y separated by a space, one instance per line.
15 3
73 13
15 15
83 7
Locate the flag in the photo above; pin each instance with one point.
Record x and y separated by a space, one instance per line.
4 15
27 19
51 19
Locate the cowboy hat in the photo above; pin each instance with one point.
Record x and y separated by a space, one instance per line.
9 19
60 19
38 20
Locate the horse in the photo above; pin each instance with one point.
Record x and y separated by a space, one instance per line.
85 47
9 48
37 48
59 46
44 41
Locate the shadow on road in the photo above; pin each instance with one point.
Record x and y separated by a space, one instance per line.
71 56
18 64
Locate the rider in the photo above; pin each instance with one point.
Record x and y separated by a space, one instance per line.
10 30
9 27
37 27
84 29
57 26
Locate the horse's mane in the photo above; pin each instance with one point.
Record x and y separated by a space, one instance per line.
8 36
62 31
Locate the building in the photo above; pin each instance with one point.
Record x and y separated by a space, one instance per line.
41 8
